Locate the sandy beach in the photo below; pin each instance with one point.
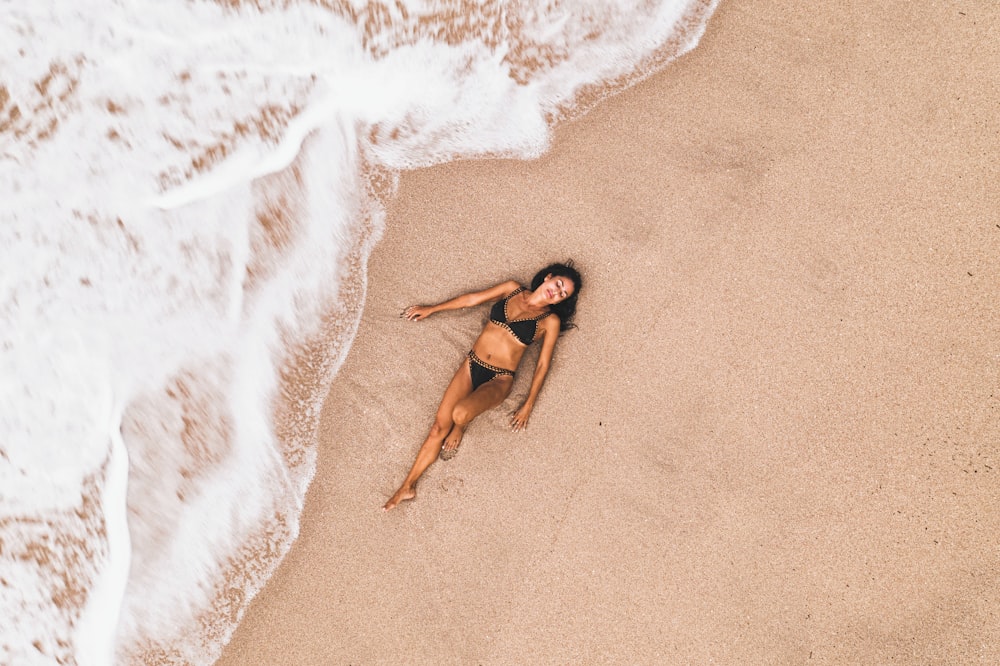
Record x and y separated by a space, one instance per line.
773 437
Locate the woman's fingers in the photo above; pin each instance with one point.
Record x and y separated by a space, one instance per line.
411 313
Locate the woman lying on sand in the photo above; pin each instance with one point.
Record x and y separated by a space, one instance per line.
484 379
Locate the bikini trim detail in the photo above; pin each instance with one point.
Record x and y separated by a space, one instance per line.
485 372
500 371
507 321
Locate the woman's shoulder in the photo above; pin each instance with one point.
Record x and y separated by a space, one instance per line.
498 291
511 287
550 319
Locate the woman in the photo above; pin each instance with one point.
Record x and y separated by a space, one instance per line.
484 379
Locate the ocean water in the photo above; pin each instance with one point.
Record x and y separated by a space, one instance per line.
190 192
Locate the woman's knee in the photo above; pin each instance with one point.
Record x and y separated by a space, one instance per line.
461 414
441 427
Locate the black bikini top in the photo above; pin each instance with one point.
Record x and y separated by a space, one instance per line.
522 329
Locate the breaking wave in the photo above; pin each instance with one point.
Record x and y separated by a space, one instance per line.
191 191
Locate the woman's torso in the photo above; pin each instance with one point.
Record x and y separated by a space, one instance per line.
509 331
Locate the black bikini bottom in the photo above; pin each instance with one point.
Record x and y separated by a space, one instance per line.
482 372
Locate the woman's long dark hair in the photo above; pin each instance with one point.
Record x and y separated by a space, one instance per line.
567 308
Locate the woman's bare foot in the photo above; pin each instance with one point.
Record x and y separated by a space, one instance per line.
451 443
401 495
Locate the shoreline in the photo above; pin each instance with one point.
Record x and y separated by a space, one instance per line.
769 437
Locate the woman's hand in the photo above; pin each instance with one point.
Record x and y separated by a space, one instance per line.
519 419
417 312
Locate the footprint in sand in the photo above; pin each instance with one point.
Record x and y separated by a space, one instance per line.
452 484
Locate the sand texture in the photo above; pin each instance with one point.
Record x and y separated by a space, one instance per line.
775 436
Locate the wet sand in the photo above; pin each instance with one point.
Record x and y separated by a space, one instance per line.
774 436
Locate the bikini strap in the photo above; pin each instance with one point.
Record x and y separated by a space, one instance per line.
514 293
511 295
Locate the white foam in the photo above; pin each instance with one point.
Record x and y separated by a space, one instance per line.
96 631
184 198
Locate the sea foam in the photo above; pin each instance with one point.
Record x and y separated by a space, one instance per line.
191 191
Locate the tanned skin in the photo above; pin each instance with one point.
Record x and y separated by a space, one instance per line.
496 346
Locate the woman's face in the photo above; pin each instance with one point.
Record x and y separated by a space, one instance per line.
556 288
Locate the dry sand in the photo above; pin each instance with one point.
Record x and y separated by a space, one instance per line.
774 437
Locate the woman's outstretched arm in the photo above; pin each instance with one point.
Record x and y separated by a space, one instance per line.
418 312
550 326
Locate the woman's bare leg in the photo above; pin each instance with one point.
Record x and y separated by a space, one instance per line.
459 387
486 397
